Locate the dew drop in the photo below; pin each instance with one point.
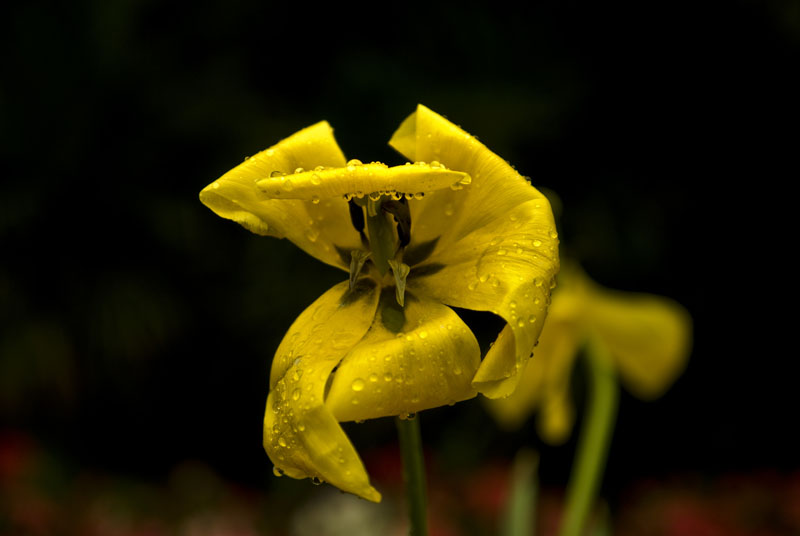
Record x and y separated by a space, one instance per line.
315 199
312 234
532 319
537 243
448 209
215 185
502 252
276 471
357 385
457 370
354 162
315 180
281 441
299 170
296 394
423 334
373 377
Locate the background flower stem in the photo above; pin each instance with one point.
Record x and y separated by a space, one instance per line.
413 474
596 432
520 514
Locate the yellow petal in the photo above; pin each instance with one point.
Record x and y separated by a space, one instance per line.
363 179
406 365
317 228
506 267
301 436
496 249
544 384
556 417
648 336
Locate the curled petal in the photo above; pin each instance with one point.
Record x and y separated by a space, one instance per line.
496 247
506 267
321 228
417 357
544 384
648 336
363 179
301 435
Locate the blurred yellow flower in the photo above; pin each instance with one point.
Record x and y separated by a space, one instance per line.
648 337
464 229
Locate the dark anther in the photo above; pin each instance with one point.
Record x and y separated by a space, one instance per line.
399 209
357 218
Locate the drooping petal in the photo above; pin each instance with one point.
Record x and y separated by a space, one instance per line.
301 435
649 337
363 179
317 228
544 383
417 357
496 245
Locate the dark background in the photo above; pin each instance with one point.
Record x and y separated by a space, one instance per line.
137 328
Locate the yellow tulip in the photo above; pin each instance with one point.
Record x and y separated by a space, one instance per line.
457 227
647 337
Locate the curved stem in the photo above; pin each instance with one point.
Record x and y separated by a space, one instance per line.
413 474
596 432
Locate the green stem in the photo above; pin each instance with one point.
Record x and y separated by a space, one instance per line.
596 432
520 515
413 474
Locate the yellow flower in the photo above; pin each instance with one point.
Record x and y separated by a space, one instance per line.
648 337
464 229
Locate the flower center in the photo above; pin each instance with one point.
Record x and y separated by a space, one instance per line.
388 226
378 197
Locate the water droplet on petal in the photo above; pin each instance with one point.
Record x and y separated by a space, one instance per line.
423 334
277 471
315 180
373 377
296 394
537 243
357 385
